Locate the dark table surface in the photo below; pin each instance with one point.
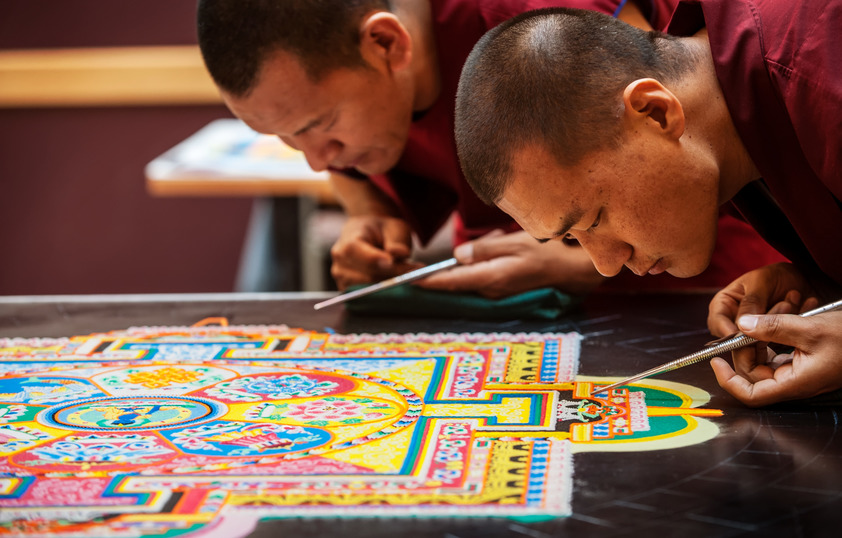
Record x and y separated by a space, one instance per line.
775 471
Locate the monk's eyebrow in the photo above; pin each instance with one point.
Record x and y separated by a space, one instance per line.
310 125
567 222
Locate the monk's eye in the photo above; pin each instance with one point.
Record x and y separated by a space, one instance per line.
596 221
568 239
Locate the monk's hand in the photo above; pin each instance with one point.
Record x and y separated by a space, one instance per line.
498 265
371 248
774 289
813 367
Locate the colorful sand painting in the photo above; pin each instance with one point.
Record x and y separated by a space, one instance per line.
204 430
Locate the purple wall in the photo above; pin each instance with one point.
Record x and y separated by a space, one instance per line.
74 213
29 24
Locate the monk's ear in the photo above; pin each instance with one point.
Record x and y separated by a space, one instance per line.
385 40
650 103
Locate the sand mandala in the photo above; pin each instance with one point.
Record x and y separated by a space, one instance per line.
204 430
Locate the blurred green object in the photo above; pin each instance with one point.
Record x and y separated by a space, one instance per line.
544 303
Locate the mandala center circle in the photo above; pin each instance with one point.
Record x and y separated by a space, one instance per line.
132 413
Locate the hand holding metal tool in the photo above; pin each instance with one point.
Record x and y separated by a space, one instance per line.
729 344
389 283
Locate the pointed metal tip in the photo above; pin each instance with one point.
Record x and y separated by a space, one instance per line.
606 388
594 392
329 302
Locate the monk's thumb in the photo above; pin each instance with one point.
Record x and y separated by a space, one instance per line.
786 329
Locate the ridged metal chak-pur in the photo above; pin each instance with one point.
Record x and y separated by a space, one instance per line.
735 342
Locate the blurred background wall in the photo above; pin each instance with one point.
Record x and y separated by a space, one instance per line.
74 213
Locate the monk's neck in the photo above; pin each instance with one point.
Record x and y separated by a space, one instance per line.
713 123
